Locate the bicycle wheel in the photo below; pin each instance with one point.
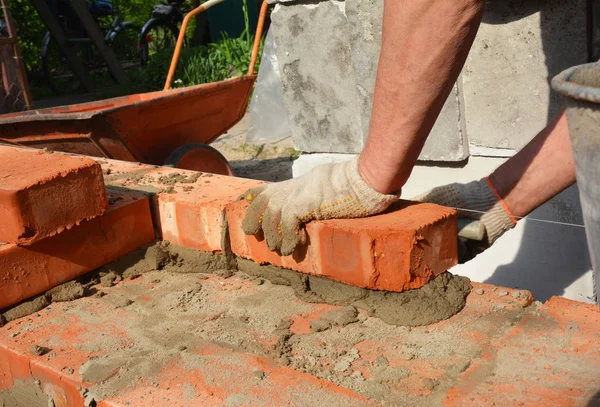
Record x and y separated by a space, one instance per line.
125 45
156 36
59 77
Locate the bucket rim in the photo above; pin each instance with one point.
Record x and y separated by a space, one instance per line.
562 84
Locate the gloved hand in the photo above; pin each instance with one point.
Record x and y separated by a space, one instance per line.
479 201
328 191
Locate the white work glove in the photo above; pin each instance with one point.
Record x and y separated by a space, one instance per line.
327 192
480 203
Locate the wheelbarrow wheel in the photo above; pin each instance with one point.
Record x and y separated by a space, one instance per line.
199 157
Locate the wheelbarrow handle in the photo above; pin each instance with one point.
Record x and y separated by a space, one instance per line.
258 36
183 29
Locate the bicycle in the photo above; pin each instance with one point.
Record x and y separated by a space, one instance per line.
120 35
161 31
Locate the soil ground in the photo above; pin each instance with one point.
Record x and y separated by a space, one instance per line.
265 161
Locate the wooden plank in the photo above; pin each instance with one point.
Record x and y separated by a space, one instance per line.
11 99
4 83
5 40
25 95
61 39
97 36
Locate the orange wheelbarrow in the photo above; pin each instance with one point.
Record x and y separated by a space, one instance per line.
168 127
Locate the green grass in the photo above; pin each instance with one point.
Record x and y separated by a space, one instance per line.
225 59
228 58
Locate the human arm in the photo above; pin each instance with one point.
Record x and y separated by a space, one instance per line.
541 170
424 46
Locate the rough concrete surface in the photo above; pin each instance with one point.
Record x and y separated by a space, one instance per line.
329 95
319 93
448 139
65 292
519 48
500 101
439 299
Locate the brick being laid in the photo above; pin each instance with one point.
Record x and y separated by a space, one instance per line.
26 271
401 249
43 194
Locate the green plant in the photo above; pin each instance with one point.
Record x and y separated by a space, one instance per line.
227 58
30 30
292 153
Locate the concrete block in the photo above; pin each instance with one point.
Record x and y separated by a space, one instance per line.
364 25
329 54
42 194
447 140
399 250
519 48
318 79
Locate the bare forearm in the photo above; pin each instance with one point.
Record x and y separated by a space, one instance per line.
538 172
424 46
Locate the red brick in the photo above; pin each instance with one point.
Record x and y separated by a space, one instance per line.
188 214
42 194
549 358
26 271
401 249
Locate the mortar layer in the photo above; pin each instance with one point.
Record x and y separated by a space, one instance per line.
25 393
437 300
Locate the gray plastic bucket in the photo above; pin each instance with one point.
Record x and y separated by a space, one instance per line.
580 87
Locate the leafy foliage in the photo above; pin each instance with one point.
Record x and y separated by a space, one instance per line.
229 58
30 30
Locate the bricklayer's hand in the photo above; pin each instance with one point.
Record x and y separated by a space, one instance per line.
476 201
327 192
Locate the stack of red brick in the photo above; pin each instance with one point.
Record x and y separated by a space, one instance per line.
58 221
